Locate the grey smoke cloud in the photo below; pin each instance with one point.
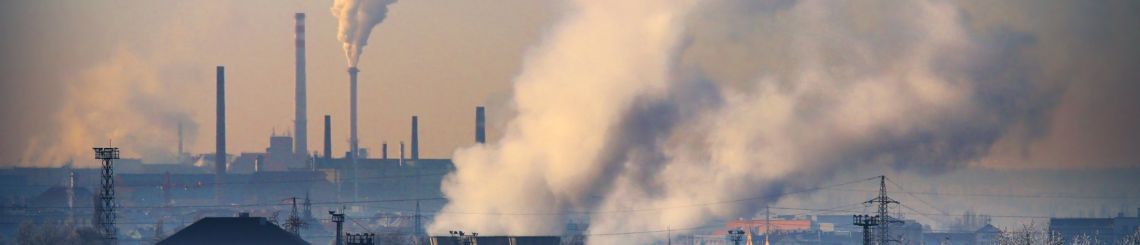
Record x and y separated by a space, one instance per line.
903 84
356 20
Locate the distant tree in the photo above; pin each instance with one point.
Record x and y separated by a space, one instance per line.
87 235
1085 239
47 233
30 233
159 233
97 214
1029 234
1133 239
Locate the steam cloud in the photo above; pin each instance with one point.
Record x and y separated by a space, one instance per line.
357 18
127 100
607 117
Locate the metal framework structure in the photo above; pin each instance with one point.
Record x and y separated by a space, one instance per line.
866 221
735 236
462 238
361 239
294 224
339 220
107 194
876 229
419 230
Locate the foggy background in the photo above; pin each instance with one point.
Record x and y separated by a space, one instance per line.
77 74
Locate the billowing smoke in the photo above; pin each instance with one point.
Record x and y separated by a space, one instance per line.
612 126
125 101
357 18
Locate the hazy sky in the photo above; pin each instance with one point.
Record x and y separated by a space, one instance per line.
435 59
79 73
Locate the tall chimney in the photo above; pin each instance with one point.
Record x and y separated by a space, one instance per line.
355 148
401 153
328 137
179 141
480 126
415 139
220 152
301 122
385 154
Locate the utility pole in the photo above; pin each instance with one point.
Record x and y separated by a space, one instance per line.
339 220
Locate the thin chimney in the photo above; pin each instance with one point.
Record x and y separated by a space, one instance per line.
354 148
180 140
220 152
480 126
328 137
385 150
415 139
401 153
300 122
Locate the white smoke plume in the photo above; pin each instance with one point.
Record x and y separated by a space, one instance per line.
612 128
126 102
357 18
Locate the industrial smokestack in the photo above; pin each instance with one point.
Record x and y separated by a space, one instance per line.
355 150
328 137
415 138
301 122
179 157
401 153
220 152
352 71
480 126
385 154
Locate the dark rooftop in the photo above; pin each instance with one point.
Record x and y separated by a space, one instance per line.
233 230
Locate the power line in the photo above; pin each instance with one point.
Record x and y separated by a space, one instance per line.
916 197
258 205
261 182
662 208
1002 195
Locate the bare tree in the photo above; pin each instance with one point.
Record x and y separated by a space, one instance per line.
159 233
1029 234
1132 239
50 233
1085 239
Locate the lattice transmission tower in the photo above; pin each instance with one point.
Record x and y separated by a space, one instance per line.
294 224
107 194
876 229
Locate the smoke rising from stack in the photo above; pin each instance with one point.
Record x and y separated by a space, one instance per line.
607 118
125 98
356 20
